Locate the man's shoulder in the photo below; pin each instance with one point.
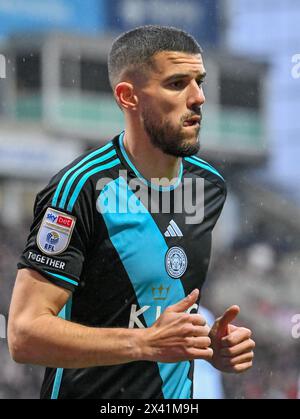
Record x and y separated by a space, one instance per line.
93 161
66 186
202 168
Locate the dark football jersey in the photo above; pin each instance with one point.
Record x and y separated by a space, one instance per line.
127 249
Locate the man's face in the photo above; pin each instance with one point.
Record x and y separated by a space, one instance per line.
170 102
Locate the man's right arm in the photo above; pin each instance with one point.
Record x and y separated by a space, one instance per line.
37 336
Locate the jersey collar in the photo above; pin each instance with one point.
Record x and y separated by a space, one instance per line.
140 176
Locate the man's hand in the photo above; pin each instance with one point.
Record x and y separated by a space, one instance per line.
178 336
232 346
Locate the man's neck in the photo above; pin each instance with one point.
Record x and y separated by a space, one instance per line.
150 161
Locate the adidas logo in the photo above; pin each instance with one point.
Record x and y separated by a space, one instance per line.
173 230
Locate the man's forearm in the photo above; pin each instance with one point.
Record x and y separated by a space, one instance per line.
54 342
37 336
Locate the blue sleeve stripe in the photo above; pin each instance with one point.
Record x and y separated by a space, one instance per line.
65 314
85 177
204 166
57 383
88 157
81 170
64 278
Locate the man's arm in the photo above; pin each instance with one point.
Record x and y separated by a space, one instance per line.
37 336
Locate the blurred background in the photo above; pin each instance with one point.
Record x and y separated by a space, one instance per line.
55 103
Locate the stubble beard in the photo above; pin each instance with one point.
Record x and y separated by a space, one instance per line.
169 139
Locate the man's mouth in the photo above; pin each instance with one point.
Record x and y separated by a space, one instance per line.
193 121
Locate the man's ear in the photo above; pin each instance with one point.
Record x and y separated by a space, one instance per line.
124 94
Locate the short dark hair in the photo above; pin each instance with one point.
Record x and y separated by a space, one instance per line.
133 50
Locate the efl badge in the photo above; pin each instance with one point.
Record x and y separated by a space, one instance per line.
176 262
55 232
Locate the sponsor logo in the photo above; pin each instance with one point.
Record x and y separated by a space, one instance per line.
59 220
51 217
173 230
176 262
55 232
136 316
64 221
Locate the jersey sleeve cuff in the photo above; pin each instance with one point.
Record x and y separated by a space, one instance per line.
57 279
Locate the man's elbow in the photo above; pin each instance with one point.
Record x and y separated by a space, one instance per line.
19 337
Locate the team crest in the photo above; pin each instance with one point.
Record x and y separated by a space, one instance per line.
176 262
55 232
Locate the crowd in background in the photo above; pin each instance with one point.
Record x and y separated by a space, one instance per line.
265 285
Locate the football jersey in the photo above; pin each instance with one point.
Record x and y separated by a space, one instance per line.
127 248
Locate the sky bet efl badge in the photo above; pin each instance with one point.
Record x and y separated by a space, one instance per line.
55 232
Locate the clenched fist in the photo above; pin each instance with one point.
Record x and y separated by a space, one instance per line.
232 346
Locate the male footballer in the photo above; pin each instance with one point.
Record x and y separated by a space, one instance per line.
107 290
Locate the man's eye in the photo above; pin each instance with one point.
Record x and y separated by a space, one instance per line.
177 84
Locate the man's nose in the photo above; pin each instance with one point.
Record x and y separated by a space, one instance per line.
196 96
